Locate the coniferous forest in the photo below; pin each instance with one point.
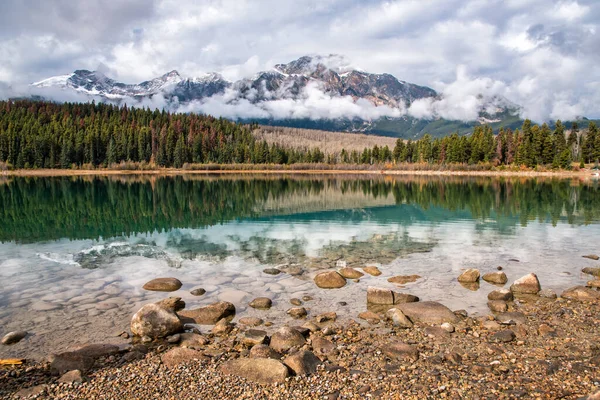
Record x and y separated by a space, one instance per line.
38 134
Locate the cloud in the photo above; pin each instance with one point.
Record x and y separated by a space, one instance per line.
540 54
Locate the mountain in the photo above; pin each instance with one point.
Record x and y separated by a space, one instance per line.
382 96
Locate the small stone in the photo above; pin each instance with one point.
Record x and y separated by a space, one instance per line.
491 325
254 337
180 355
498 278
264 351
546 330
497 306
307 298
370 317
436 332
296 302
330 280
448 327
210 314
503 336
350 273
500 294
197 292
591 271
163 285
404 279
592 257
72 377
593 284
581 293
328 316
13 337
453 358
321 345
548 294
251 321
400 351
398 318
271 271
261 303
297 312
302 363
286 338
528 284
511 318
27 393
373 271
174 339
469 276
193 340
261 370
311 326
223 327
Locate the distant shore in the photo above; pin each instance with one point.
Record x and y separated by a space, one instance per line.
585 173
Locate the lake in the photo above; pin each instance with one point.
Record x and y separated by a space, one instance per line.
75 252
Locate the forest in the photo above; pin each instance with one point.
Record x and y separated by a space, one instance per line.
39 134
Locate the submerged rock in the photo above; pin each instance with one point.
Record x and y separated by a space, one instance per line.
403 279
592 257
373 271
260 370
163 285
330 280
350 273
591 271
13 337
528 284
469 276
210 314
261 303
297 312
159 319
498 278
198 292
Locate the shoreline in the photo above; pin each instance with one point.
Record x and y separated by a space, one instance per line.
380 172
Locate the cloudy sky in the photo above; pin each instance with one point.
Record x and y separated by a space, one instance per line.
541 54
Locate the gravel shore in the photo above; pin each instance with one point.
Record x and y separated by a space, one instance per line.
552 353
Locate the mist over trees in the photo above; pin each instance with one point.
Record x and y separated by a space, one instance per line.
38 134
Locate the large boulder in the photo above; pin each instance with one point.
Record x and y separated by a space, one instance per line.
330 280
181 355
428 312
210 314
581 293
260 370
163 285
528 284
470 275
498 277
286 338
302 362
159 319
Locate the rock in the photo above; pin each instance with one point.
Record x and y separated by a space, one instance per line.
13 337
223 327
498 278
69 361
453 358
595 396
350 273
271 271
31 392
264 351
511 318
401 298
98 350
261 303
370 317
311 326
380 296
591 257
470 275
373 271
174 339
192 340
400 351
286 338
428 312
210 314
547 293
498 306
448 327
436 332
546 330
528 284
328 316
159 319
260 370
503 336
500 294
254 337
251 321
181 355
581 293
398 318
330 280
163 285
303 331
321 345
307 298
197 292
591 271
302 363
491 325
297 312
74 376
403 279
593 284
295 302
